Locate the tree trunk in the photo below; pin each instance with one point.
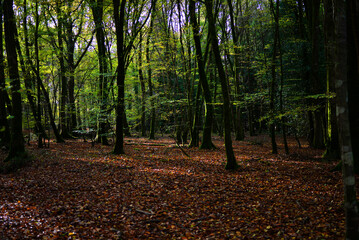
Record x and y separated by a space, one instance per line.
318 124
17 155
40 131
353 77
283 119
4 125
272 85
149 75
143 90
231 160
97 11
195 123
71 70
120 108
207 131
239 126
62 74
350 202
332 151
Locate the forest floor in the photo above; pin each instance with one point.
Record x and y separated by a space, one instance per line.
154 191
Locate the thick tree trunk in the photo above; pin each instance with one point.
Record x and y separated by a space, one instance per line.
341 74
353 77
231 159
4 125
17 155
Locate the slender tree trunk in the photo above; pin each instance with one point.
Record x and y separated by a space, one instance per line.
97 11
58 137
283 119
37 66
350 201
29 82
186 66
120 108
207 131
71 70
143 90
272 85
62 74
40 85
195 123
332 151
318 124
231 160
149 75
239 119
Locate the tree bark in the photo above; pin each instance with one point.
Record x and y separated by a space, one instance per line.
318 124
97 11
207 131
4 124
341 81
17 148
149 75
273 81
62 74
120 108
353 77
143 89
28 80
332 151
231 160
239 119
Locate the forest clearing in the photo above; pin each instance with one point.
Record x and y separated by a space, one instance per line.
74 191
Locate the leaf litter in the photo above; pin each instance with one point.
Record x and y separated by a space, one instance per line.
155 191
